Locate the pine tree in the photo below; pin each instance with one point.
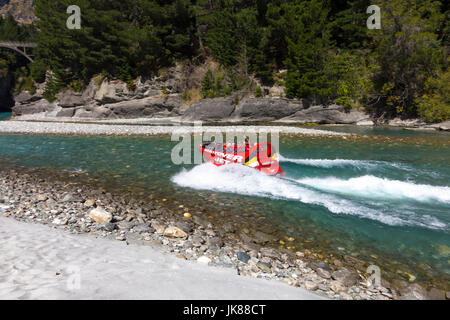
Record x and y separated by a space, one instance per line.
307 51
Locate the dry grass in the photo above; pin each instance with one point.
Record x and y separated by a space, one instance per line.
192 95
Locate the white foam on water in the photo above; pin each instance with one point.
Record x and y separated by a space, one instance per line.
246 181
328 163
331 163
380 188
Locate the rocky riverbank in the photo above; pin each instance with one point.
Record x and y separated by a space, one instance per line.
41 127
150 99
159 99
42 197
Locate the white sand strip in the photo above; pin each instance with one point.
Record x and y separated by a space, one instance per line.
124 129
38 262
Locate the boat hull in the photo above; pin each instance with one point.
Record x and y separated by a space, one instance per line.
259 156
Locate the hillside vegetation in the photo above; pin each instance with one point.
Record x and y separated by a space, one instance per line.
325 48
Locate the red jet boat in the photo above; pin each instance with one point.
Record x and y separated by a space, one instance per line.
259 156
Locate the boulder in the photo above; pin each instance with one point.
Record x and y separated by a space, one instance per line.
144 227
327 115
111 92
243 256
413 292
66 113
89 93
412 123
310 285
147 107
266 267
204 260
41 197
93 112
69 99
210 109
443 126
261 237
270 252
174 232
89 203
159 227
345 276
365 123
26 97
100 215
323 273
215 243
106 226
40 106
337 287
267 109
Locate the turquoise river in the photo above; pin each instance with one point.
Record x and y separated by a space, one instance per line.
382 195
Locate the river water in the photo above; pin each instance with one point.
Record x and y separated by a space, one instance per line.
382 195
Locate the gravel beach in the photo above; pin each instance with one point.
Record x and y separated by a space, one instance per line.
32 127
78 210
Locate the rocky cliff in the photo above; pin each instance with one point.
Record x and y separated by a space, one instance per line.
113 99
21 10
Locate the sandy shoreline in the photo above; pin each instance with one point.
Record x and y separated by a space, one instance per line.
43 263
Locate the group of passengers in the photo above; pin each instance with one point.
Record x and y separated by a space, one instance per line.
231 147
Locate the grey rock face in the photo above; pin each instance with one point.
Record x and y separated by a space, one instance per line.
113 99
111 92
444 126
68 99
345 276
66 113
93 112
25 97
89 94
327 115
270 109
33 107
147 107
210 109
267 109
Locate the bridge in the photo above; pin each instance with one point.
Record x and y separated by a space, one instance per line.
20 47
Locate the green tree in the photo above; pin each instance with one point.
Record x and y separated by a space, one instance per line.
434 105
120 39
308 47
408 52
